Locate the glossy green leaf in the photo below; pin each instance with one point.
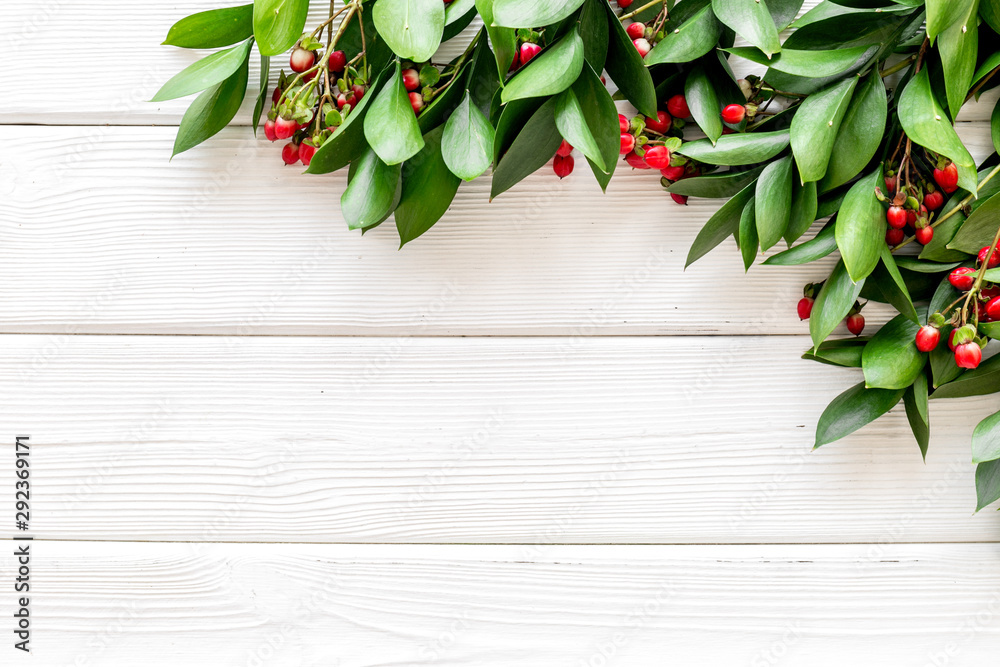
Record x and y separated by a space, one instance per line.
833 302
278 24
458 15
751 21
716 186
689 41
995 126
550 72
986 439
503 40
805 206
815 248
428 189
737 149
815 126
774 201
845 352
412 28
371 191
861 226
853 409
860 133
532 13
980 227
533 146
989 10
917 413
390 124
467 142
212 29
959 46
891 360
587 118
724 223
943 13
804 63
594 30
512 120
783 12
703 102
921 266
987 483
892 286
926 123
749 242
978 382
212 110
204 73
262 91
626 68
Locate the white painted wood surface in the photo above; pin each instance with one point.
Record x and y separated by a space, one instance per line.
627 444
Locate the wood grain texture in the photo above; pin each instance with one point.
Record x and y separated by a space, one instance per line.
527 440
295 605
99 233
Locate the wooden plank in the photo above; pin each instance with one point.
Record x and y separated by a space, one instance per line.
484 440
823 606
99 233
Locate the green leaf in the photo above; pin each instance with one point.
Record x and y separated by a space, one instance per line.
532 13
724 223
891 360
995 126
212 110
371 191
990 11
550 72
594 30
804 209
458 14
467 142
412 28
428 189
853 409
892 286
846 353
925 122
443 104
816 248
804 63
504 40
979 229
204 73
690 41
943 13
716 186
751 21
390 125
979 382
860 133
815 126
626 68
986 439
783 12
861 226
278 24
587 118
703 102
774 201
987 483
915 401
258 107
737 149
212 29
958 46
533 146
749 242
920 266
833 302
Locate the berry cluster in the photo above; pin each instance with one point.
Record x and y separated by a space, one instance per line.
913 204
855 321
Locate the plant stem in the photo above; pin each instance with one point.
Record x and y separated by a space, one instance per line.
979 277
902 64
640 10
972 93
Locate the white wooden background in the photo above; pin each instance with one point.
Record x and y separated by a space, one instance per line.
529 438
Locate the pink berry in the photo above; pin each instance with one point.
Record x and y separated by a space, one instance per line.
657 157
805 307
359 92
564 149
968 355
290 153
856 323
636 161
563 165
928 338
962 278
306 152
642 46
417 102
678 107
337 61
734 114
659 124
529 51
635 30
411 79
301 59
269 131
285 127
627 143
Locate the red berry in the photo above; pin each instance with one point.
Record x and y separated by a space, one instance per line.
635 30
276 95
515 63
951 339
994 259
894 237
924 235
805 307
636 161
679 199
642 46
359 92
678 107
659 124
896 216
301 59
529 51
993 308
563 165
933 200
337 61
623 123
564 149
411 79
290 153
911 216
341 101
947 178
285 127
962 278
269 130
890 184
856 323
627 143
672 173
624 4
928 338
968 355
417 102
734 114
306 152
657 157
